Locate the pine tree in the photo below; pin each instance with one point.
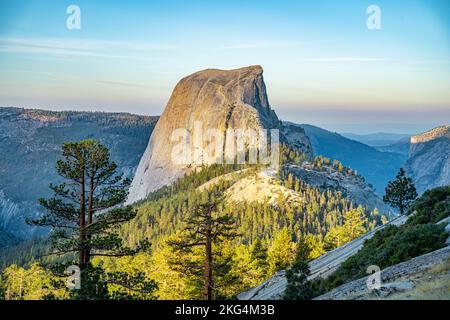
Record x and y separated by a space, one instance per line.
297 276
401 192
316 246
353 227
334 238
205 226
85 216
354 222
33 283
258 252
281 252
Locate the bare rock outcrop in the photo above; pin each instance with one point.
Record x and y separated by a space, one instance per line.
297 138
262 186
208 99
428 163
400 281
352 186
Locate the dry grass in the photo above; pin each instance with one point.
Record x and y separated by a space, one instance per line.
433 284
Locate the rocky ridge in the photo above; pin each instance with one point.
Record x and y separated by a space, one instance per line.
296 137
442 131
428 163
353 186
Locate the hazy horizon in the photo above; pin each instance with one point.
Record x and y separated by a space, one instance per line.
342 128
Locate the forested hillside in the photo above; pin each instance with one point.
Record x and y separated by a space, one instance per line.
6 238
30 142
266 233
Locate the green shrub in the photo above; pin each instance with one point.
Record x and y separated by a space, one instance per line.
431 207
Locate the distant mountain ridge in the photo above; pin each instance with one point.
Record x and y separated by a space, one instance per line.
377 167
401 146
377 139
426 156
30 144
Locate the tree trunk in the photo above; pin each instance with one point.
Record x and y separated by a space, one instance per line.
90 213
82 251
208 258
208 268
91 195
401 205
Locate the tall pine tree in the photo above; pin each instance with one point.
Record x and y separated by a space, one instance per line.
205 226
85 215
298 287
401 192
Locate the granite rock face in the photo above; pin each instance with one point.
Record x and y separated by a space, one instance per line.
297 138
210 99
428 163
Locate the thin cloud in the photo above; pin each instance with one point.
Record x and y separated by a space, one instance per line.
257 45
82 47
123 83
362 59
344 59
431 61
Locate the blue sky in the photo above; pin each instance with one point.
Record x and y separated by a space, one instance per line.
322 64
